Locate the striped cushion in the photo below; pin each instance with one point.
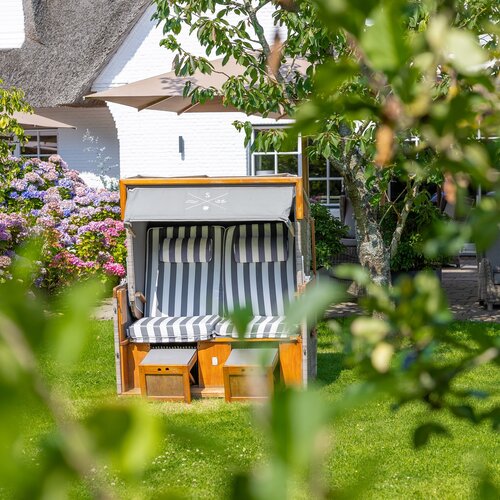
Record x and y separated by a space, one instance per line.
186 250
265 287
182 289
270 246
261 327
165 329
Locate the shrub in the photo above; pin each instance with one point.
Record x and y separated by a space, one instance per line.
409 255
328 232
82 236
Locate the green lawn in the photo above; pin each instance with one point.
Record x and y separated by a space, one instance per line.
371 447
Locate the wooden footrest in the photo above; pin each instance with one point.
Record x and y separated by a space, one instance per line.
166 374
249 374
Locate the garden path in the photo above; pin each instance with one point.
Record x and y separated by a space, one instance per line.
460 286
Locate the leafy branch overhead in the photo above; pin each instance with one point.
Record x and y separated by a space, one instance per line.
11 100
384 90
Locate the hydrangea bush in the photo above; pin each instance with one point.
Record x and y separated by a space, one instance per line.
79 225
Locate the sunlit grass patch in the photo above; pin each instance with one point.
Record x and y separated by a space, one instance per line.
209 441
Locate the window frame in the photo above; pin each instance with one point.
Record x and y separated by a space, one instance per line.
328 178
275 154
35 135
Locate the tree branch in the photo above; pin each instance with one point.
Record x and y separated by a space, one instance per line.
408 203
259 30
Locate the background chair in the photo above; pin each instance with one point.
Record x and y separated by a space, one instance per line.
489 276
350 252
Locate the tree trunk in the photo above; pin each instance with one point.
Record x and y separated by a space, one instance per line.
373 253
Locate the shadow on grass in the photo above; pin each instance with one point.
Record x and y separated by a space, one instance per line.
330 365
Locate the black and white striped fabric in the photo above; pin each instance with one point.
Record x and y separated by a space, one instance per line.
181 289
261 327
178 250
182 329
270 245
266 287
184 287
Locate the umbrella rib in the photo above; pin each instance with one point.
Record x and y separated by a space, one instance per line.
156 101
187 108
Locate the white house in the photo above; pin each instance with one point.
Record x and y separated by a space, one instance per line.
74 47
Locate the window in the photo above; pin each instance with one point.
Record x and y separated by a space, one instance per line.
41 144
325 183
275 162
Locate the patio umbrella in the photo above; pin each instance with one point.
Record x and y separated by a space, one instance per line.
34 121
165 92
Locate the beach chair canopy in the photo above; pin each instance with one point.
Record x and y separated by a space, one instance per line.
209 203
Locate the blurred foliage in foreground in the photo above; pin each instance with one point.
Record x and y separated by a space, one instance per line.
384 90
397 357
114 433
393 85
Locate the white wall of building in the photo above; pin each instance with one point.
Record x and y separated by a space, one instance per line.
100 155
149 140
11 24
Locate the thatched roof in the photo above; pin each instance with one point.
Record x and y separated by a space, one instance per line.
68 42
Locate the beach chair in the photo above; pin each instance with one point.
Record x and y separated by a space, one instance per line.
198 249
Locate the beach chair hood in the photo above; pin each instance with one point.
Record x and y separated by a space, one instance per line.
149 205
209 203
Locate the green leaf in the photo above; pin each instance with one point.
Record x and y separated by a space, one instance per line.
240 318
69 331
423 433
487 489
128 435
311 305
464 51
371 329
384 42
350 15
353 272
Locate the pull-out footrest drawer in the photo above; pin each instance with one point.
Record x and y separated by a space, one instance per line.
166 374
249 374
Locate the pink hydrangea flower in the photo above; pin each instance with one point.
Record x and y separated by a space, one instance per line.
114 269
34 178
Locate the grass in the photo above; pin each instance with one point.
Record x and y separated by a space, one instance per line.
372 445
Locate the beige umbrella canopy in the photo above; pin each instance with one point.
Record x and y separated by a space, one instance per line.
165 92
34 121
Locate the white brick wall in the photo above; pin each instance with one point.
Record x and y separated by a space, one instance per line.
149 140
71 144
11 24
140 55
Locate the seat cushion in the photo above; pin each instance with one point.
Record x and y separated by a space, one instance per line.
260 327
173 329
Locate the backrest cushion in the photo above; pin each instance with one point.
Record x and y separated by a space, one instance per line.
250 278
264 248
186 250
184 271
